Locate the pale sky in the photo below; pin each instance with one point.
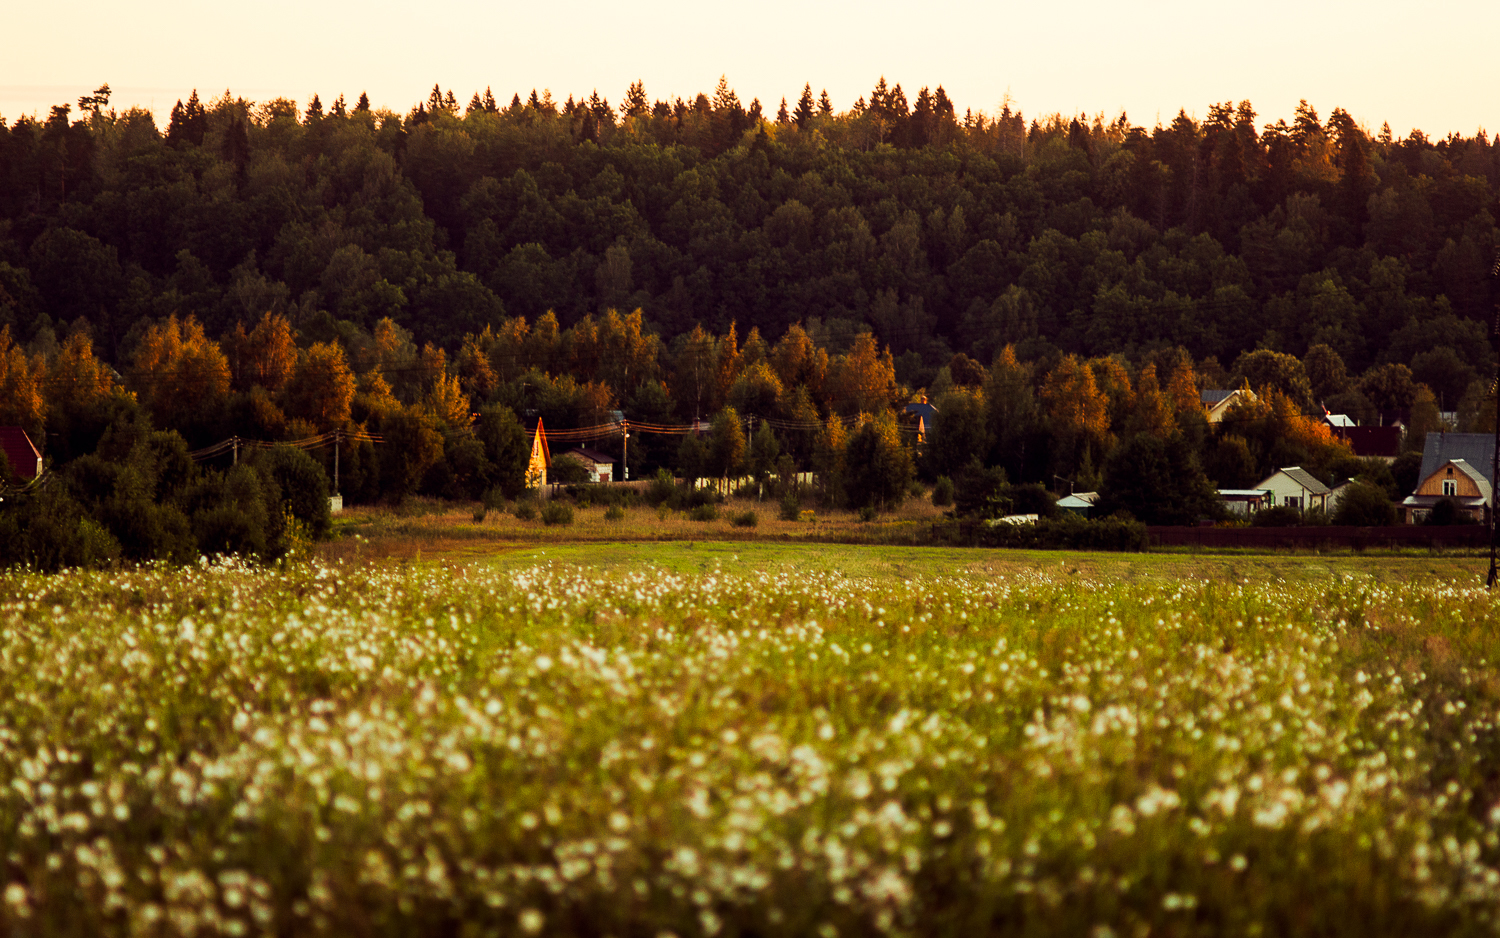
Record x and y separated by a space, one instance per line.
1415 65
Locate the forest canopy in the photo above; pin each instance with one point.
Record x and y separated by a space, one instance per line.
276 270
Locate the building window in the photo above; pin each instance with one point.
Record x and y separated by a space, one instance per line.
1294 501
1450 487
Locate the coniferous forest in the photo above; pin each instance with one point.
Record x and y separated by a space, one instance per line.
1062 289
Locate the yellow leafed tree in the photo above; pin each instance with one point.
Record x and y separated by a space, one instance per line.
179 373
21 400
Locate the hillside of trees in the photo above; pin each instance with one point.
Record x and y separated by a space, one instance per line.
1058 286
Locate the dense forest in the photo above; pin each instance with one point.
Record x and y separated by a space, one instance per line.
1057 286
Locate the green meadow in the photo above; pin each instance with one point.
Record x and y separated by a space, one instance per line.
734 738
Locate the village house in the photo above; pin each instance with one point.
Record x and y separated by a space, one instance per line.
600 466
20 452
1455 466
541 458
1218 402
1456 481
1295 487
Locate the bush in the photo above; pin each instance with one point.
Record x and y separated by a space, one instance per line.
704 512
1065 532
480 511
745 519
555 512
942 492
614 513
663 487
916 490
867 513
526 510
1447 512
1277 516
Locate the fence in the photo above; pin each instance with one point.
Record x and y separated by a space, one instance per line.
1456 537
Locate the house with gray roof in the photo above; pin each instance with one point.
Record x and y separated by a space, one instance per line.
1295 487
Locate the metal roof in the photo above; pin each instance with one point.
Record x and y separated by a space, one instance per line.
1300 476
1476 449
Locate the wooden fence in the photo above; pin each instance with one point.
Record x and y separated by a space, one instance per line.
1456 537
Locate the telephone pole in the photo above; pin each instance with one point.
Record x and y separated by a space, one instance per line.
1495 459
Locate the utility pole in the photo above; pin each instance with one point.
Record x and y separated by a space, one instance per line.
338 437
625 450
1495 459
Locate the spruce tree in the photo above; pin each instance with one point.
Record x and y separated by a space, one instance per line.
825 106
782 117
364 102
804 113
490 107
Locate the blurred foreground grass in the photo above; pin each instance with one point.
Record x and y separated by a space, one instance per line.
733 739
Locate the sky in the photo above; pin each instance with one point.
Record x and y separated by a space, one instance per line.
1426 66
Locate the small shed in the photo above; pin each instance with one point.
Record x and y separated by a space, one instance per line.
20 452
1079 503
601 466
1295 487
1246 502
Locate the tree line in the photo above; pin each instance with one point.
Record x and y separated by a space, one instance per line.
1057 286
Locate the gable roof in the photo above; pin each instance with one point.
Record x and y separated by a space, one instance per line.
1215 395
1338 420
20 452
1475 449
592 455
1300 476
1486 491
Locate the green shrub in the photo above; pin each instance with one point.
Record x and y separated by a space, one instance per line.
791 506
745 519
1277 516
614 513
480 511
662 488
1065 532
526 510
867 513
942 492
707 512
555 512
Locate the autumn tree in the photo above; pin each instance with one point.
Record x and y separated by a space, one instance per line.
863 380
321 388
1078 411
180 375
265 356
21 378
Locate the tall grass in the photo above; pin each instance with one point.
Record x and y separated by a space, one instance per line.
398 750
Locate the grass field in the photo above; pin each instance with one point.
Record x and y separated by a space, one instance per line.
722 738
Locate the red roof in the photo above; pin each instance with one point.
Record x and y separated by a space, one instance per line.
23 457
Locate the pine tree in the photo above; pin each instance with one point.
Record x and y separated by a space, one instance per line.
490 107
314 111
755 113
782 117
804 113
636 103
825 105
450 104
475 105
339 108
364 102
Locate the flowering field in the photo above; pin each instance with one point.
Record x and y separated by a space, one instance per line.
550 749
